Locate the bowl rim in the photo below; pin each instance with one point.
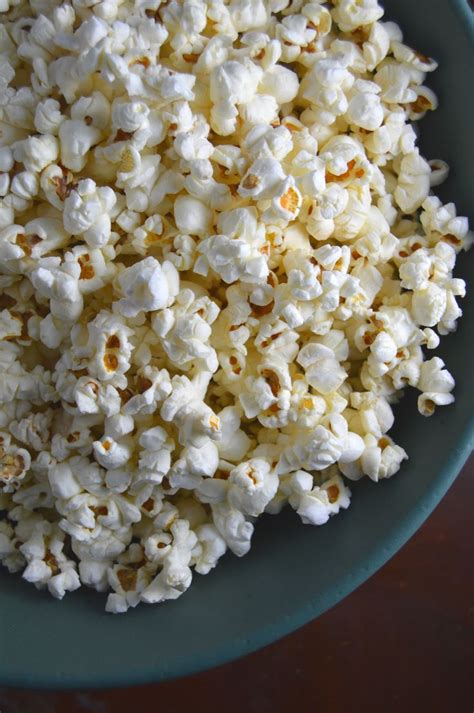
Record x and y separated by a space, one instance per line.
259 638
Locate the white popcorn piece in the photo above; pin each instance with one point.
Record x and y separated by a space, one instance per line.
175 576
211 548
377 45
365 110
48 117
36 152
91 397
86 212
60 288
319 451
266 140
281 83
33 430
127 583
93 110
235 530
96 269
194 464
192 216
315 506
413 182
234 442
99 545
62 481
46 562
14 464
93 574
350 14
262 179
409 56
429 304
184 331
253 484
155 456
235 254
436 384
323 371
394 80
147 286
153 386
196 420
111 454
76 139
381 459
109 350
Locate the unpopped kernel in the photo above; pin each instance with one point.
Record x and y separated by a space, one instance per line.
221 262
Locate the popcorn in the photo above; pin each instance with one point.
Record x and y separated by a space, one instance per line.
194 464
60 287
436 384
234 442
365 110
211 546
350 15
153 385
218 271
91 397
86 212
34 430
127 584
429 304
192 216
235 530
111 454
46 563
25 185
319 451
281 83
92 110
147 286
266 140
394 81
185 329
62 481
195 419
155 456
175 576
14 464
36 152
380 459
323 371
252 485
232 83
413 182
316 505
235 254
262 179
376 46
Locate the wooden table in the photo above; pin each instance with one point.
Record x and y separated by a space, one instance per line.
402 643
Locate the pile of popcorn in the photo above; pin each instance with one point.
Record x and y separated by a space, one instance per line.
220 261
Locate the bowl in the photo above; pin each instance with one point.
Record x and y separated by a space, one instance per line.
293 573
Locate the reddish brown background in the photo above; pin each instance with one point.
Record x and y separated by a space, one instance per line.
402 643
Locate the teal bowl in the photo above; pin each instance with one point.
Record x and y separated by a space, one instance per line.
293 573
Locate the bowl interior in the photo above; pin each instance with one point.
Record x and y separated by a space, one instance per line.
293 572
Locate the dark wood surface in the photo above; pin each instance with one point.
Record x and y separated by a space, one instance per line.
402 643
